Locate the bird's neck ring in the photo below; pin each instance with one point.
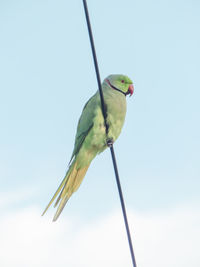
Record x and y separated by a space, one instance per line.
115 88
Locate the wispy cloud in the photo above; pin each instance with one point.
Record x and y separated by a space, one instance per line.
168 238
10 198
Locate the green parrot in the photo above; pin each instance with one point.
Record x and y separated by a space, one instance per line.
91 138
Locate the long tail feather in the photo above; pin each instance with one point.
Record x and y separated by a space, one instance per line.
60 188
61 207
55 195
68 186
72 184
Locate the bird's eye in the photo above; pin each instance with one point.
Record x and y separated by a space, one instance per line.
122 81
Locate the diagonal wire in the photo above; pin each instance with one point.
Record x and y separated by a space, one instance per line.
95 63
106 125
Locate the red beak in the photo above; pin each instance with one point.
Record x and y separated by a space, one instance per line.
131 89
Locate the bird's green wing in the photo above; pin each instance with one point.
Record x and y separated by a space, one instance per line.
85 123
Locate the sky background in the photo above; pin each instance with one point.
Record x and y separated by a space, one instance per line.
46 76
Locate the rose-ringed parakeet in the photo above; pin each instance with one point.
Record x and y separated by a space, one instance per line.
91 137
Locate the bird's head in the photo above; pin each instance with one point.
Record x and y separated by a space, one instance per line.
120 83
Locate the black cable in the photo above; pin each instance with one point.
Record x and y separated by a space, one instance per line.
123 206
95 64
106 125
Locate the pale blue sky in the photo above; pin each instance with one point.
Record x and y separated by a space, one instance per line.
47 75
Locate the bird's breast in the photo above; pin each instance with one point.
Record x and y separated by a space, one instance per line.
116 112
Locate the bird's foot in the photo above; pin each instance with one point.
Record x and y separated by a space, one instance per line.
109 142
